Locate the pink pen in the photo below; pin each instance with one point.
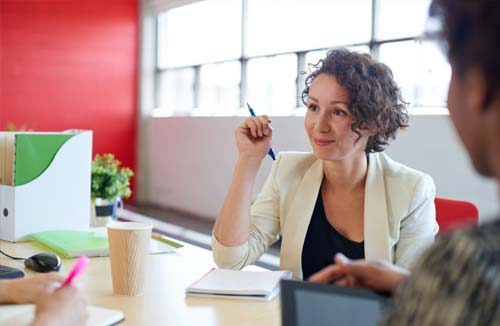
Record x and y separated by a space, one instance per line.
80 266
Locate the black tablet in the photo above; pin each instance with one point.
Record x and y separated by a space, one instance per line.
307 304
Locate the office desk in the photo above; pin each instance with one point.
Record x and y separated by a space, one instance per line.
164 302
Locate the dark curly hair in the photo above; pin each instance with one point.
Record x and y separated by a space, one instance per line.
471 29
375 98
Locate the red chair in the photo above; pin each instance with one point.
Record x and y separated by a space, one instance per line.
452 214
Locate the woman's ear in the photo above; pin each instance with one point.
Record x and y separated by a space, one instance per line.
371 132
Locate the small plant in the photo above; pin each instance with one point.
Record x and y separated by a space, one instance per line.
109 181
10 126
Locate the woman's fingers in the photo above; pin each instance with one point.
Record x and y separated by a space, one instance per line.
340 259
328 274
265 122
252 125
258 126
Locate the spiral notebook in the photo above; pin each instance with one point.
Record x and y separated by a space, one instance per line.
234 284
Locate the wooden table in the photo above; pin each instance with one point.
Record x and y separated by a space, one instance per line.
164 302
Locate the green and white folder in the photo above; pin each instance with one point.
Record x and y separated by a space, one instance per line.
49 183
34 154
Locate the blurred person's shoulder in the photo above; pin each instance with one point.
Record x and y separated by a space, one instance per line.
484 236
456 281
468 243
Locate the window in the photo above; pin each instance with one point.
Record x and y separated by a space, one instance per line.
199 33
175 91
277 26
420 69
313 57
213 56
401 18
272 85
219 88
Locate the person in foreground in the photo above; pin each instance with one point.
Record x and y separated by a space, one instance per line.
347 196
54 305
456 281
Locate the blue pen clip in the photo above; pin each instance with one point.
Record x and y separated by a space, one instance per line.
252 113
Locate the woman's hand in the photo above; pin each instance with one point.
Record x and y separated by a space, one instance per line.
64 306
375 275
253 138
27 290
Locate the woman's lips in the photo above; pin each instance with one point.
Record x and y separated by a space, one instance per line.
323 142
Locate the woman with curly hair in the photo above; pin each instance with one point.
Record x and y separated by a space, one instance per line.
346 196
457 280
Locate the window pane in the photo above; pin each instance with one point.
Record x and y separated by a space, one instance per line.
198 33
402 57
402 18
176 91
313 57
219 88
305 24
272 84
434 76
420 69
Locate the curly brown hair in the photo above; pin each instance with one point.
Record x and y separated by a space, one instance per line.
375 98
471 29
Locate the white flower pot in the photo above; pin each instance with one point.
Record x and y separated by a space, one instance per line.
104 210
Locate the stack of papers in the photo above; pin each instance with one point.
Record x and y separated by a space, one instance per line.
224 283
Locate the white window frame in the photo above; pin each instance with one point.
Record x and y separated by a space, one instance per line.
373 44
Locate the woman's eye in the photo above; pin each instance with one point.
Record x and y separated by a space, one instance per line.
339 112
312 107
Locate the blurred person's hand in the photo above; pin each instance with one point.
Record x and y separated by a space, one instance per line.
64 306
27 290
375 275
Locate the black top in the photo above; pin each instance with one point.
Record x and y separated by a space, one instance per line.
322 242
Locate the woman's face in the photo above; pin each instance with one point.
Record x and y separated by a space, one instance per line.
328 121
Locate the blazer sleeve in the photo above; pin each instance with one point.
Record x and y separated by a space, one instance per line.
419 227
264 228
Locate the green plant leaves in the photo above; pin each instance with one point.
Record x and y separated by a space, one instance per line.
109 181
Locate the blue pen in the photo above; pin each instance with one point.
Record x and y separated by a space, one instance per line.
270 153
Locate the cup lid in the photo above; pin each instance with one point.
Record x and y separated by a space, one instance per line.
135 226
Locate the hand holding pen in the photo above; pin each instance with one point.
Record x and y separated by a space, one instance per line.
80 266
67 305
262 129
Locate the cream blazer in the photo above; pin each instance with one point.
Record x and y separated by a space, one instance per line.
399 214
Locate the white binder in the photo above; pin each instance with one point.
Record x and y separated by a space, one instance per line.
59 198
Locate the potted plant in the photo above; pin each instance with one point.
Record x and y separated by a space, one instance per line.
110 183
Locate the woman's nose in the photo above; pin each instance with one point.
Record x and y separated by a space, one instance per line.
322 124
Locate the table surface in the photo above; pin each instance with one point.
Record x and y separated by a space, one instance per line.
164 301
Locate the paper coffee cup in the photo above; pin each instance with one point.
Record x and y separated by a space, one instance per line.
128 254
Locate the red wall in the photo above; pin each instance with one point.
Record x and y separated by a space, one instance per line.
71 64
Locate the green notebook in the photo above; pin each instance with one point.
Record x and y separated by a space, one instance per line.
69 244
94 243
34 153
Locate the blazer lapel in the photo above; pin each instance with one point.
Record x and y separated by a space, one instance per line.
376 229
298 218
